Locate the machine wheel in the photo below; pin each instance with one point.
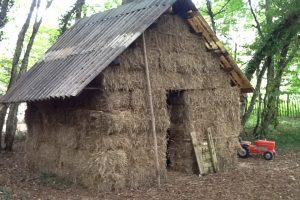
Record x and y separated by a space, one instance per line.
268 155
244 152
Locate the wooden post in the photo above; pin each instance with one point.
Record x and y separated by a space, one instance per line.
151 110
198 152
288 105
298 109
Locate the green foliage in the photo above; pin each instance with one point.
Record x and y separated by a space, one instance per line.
5 65
109 4
291 81
233 26
43 41
227 14
45 38
5 6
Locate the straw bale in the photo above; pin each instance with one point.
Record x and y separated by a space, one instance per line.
122 122
103 139
172 25
47 157
109 168
220 114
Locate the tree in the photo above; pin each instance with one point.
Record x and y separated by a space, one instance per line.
75 13
79 9
277 24
15 62
5 5
18 70
275 50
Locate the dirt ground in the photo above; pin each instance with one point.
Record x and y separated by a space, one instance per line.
254 178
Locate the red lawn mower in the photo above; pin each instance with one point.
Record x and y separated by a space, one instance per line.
264 147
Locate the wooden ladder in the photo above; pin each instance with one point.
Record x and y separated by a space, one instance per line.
205 152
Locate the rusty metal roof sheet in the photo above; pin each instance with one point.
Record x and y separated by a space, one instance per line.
86 49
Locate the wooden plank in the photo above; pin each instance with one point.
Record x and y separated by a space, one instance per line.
225 62
198 28
237 79
198 152
214 45
221 45
212 149
208 47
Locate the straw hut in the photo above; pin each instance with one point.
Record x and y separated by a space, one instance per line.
90 103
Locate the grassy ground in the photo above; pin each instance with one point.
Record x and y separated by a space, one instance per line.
286 134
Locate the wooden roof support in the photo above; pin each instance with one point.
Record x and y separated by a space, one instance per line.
198 23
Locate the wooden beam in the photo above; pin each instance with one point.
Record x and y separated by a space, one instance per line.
212 150
198 152
151 110
198 23
225 63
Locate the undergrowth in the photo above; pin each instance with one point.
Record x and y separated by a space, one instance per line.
5 194
54 181
286 134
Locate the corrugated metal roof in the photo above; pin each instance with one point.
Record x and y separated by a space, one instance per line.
85 50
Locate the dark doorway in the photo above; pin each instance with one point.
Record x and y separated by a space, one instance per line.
176 110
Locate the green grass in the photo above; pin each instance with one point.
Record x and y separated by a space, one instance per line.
54 181
286 135
5 194
20 136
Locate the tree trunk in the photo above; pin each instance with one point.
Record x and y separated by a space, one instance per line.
67 18
276 121
258 115
78 11
273 42
19 46
246 116
258 27
12 116
211 15
3 112
269 103
35 30
273 86
15 62
11 126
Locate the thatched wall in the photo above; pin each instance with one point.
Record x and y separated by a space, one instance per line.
102 138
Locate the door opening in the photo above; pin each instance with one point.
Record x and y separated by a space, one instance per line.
175 133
